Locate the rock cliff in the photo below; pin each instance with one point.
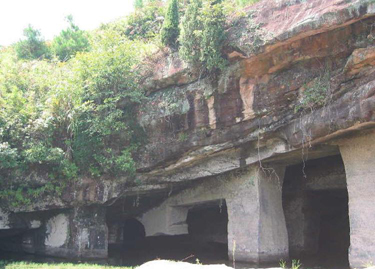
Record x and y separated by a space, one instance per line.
300 81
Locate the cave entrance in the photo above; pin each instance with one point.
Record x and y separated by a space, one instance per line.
206 239
208 230
133 233
315 201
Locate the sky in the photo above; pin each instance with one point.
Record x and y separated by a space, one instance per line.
49 15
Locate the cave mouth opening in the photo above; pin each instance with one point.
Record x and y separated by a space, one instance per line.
206 240
133 233
208 230
315 201
334 236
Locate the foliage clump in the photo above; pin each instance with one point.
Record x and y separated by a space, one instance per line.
171 31
315 94
70 41
145 22
63 120
33 46
203 35
72 115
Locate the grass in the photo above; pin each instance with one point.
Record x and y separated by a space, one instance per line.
31 265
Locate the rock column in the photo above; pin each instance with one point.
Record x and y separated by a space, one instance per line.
359 159
256 229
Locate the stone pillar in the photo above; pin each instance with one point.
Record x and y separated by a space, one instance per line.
359 159
89 232
78 233
256 229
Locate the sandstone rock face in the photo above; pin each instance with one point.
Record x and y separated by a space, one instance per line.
301 78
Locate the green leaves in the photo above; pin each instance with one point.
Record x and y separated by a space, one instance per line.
145 22
8 156
70 41
33 46
63 120
171 31
192 27
202 36
213 36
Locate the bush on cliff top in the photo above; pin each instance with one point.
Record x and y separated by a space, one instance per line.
71 116
202 37
62 120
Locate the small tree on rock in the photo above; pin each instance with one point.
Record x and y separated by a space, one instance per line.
171 30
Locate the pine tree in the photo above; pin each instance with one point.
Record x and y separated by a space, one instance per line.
171 30
191 30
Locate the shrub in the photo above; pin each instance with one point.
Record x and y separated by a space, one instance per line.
61 120
8 156
138 3
70 41
145 23
191 31
213 36
171 30
33 46
106 127
203 35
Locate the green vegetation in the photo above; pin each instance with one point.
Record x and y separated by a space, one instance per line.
70 41
296 264
202 37
171 30
33 46
31 265
213 36
244 3
59 121
145 22
191 29
67 107
315 93
138 4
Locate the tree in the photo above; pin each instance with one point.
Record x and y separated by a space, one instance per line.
70 41
33 47
203 35
171 30
138 4
213 35
191 30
